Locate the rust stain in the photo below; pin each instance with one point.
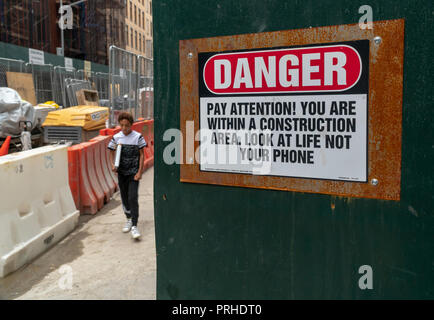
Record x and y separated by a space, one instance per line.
384 110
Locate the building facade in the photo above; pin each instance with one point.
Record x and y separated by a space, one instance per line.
138 27
28 23
97 24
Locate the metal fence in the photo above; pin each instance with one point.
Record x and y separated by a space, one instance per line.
146 87
83 75
72 86
101 81
9 65
127 87
43 78
130 84
64 86
59 89
123 79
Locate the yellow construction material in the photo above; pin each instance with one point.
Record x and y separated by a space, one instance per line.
87 117
51 104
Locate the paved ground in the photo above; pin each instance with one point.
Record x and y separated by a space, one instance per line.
105 263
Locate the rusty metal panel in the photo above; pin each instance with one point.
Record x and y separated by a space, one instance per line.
384 108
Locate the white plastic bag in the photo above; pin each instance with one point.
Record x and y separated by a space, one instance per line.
13 110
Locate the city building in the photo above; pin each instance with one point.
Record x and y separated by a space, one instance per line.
138 27
97 24
28 23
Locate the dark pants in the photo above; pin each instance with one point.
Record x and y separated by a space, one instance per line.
129 189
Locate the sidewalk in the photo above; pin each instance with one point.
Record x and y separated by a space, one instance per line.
105 263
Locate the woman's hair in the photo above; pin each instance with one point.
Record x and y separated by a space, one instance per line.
125 116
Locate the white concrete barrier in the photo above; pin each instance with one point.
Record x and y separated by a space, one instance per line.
36 205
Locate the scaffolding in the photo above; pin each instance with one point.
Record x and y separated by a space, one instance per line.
97 24
26 23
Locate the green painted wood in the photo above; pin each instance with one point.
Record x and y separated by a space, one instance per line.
216 242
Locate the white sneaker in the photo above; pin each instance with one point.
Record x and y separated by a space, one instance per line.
135 234
128 226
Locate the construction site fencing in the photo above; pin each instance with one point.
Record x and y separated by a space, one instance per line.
59 88
146 87
83 75
72 86
9 65
50 82
123 79
130 77
130 84
101 81
43 79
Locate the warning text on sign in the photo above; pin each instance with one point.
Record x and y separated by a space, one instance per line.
321 136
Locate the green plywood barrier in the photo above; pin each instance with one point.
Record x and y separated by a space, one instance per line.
216 242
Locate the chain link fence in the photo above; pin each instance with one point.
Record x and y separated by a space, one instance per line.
59 89
123 75
127 87
50 81
43 78
101 81
72 86
83 75
9 65
146 85
130 84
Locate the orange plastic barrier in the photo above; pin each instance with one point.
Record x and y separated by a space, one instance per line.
84 197
149 158
148 133
88 149
138 126
111 132
100 170
109 164
91 180
146 129
5 146
104 160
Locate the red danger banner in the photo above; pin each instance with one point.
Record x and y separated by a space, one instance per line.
311 69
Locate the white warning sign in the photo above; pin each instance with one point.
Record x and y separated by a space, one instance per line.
290 112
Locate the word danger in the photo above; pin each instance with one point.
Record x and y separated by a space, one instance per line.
324 68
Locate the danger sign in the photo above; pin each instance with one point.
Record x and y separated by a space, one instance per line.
312 69
294 112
